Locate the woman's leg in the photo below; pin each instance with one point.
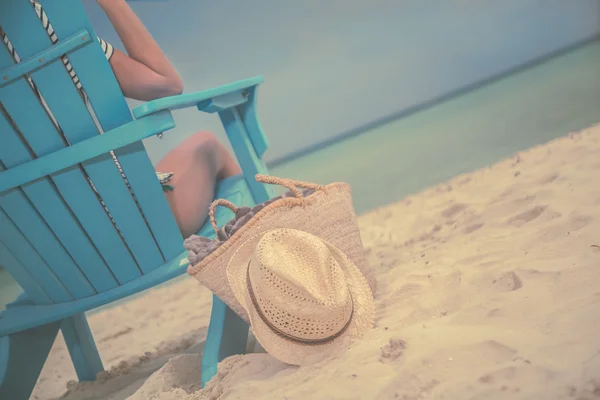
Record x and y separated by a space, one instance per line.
197 164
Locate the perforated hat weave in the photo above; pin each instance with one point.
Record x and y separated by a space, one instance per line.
299 278
296 286
305 299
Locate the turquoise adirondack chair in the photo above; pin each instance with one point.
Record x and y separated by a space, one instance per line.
56 239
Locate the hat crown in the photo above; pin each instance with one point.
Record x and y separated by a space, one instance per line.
299 286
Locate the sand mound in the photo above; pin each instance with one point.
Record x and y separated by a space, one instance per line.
175 380
489 288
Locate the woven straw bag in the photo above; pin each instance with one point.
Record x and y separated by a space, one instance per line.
323 211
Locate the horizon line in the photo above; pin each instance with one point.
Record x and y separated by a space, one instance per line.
411 110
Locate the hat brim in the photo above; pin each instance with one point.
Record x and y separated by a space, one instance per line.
287 350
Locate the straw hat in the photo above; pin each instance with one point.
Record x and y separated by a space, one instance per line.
324 212
305 299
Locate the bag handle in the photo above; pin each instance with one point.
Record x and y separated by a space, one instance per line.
290 184
213 210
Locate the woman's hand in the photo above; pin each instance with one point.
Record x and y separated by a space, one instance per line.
145 72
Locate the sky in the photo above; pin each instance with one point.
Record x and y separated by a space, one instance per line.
333 65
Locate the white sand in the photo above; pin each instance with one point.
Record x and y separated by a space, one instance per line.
489 288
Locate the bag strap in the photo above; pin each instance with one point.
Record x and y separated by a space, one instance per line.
213 210
290 184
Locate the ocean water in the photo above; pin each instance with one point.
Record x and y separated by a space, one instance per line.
468 132
471 131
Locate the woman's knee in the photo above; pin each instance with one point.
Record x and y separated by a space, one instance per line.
204 141
208 146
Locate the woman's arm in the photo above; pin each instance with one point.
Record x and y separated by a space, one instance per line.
145 73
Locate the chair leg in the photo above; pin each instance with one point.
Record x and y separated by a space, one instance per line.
22 356
227 335
82 347
227 332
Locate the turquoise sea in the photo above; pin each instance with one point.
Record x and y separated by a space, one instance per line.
465 133
468 132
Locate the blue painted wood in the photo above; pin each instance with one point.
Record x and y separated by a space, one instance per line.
193 99
21 104
26 32
241 94
4 357
249 161
57 262
37 233
86 150
238 115
28 258
84 204
67 229
27 316
21 300
18 206
23 317
43 58
250 120
216 100
82 347
227 335
22 356
22 276
222 102
97 78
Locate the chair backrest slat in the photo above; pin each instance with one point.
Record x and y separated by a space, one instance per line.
68 108
29 256
19 205
19 272
72 252
32 209
88 228
111 110
102 171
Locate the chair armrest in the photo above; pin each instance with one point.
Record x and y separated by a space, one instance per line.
198 99
240 95
122 136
